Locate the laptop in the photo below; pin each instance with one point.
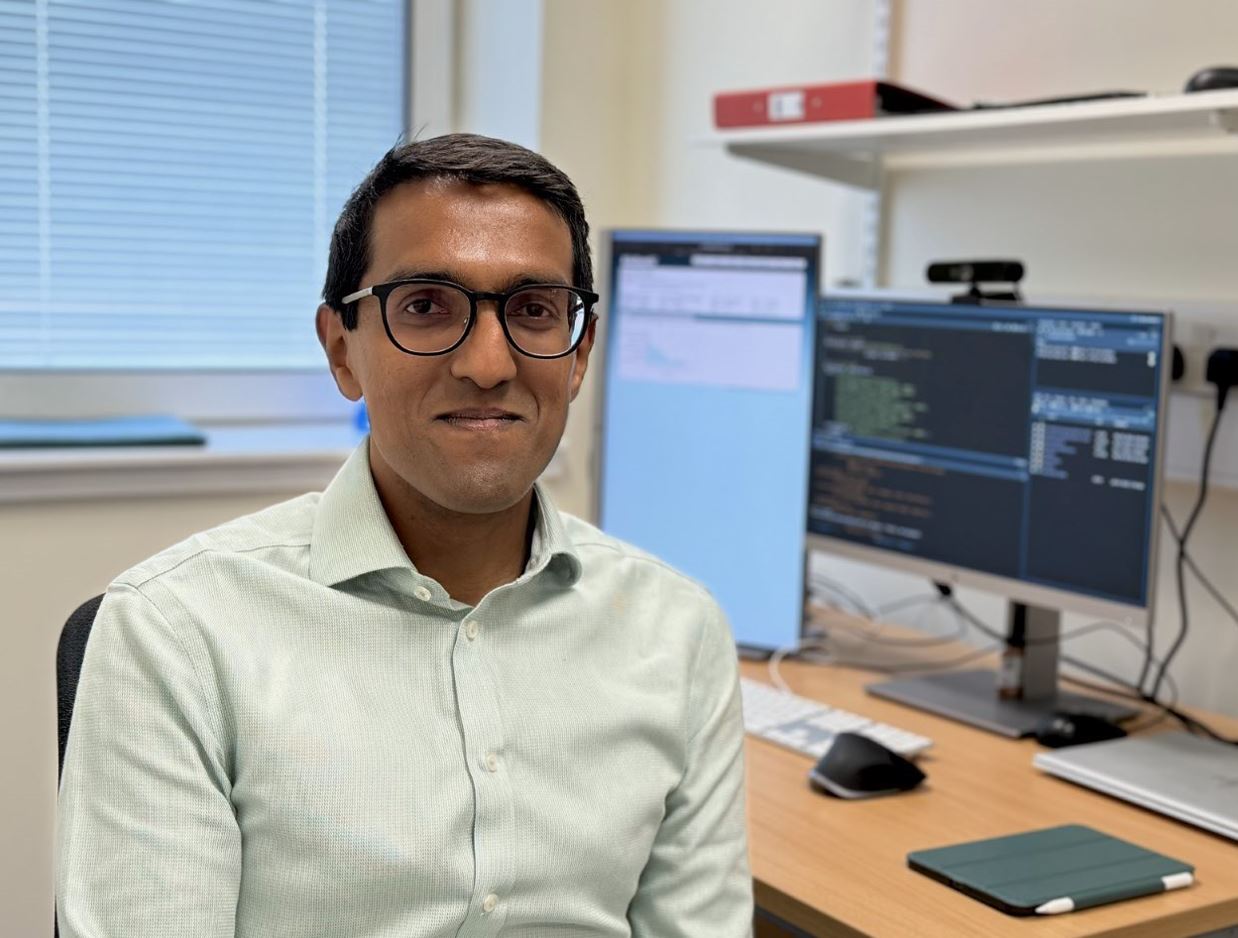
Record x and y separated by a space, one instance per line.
1187 777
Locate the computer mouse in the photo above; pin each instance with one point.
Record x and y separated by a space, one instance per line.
858 767
1208 79
1073 729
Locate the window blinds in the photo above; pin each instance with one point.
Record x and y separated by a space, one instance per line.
170 171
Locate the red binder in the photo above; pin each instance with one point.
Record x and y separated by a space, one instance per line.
806 104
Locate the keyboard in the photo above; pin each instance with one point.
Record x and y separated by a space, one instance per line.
809 727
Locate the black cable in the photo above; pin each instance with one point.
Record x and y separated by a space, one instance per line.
1065 636
1117 685
950 602
1206 583
1180 567
962 614
1137 692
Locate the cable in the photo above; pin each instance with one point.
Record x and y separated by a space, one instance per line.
1136 692
1116 684
1180 567
874 636
838 589
904 667
906 601
1206 583
775 673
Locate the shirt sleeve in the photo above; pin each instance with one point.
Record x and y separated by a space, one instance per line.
147 841
697 883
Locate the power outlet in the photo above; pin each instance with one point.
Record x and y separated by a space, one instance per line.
1197 337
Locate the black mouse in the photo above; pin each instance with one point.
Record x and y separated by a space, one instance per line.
1072 729
1208 79
857 767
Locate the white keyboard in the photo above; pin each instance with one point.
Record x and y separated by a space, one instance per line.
810 727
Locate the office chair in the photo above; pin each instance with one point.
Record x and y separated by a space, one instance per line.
69 654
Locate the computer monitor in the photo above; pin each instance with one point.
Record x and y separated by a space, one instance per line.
707 395
1011 448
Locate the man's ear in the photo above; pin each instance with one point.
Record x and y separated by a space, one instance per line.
581 362
334 339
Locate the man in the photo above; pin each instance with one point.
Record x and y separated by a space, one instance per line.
422 702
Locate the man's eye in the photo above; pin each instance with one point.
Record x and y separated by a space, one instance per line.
534 311
536 308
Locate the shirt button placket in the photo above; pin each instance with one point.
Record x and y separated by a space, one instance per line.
481 719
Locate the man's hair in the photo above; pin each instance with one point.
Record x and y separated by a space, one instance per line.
468 158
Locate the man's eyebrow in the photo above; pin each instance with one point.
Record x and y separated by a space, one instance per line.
520 280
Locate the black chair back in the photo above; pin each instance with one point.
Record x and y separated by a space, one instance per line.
69 654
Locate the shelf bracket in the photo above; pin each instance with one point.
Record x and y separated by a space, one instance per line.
862 172
1226 119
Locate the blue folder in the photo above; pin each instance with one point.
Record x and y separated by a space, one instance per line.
151 430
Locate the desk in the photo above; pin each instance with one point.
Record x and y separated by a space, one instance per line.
838 868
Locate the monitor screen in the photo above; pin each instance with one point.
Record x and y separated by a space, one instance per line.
708 388
1014 442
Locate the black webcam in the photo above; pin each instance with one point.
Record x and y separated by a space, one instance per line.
975 273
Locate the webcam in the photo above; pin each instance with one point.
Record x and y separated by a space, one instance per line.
975 273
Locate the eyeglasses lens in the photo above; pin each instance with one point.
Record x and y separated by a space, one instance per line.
427 317
545 320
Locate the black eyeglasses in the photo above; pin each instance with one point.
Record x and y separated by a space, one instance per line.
433 317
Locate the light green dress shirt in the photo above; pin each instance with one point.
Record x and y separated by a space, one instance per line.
283 729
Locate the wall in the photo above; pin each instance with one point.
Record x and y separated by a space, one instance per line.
54 556
627 112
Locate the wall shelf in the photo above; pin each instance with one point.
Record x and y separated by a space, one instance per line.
857 153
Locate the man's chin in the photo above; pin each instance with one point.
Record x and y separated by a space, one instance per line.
481 493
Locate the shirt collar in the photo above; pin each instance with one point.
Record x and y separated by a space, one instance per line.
353 535
552 546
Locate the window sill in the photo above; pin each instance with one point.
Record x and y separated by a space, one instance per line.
290 458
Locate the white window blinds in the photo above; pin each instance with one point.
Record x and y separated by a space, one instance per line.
170 171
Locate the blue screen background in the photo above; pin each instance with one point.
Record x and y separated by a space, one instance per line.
712 479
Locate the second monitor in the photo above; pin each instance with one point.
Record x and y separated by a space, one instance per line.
1012 448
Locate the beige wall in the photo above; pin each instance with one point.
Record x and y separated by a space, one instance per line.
54 556
627 88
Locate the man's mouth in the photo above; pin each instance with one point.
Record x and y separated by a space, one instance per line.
481 418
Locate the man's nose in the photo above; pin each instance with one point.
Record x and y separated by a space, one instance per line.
485 357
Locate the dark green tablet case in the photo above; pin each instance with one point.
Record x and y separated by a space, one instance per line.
1017 874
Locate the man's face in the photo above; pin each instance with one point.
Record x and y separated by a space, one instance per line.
470 430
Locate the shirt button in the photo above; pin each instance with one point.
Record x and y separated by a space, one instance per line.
488 904
492 762
471 629
422 593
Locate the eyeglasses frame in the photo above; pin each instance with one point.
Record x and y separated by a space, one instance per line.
384 290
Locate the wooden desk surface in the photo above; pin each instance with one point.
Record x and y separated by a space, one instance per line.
838 868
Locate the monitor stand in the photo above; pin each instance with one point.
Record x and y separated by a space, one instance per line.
1011 702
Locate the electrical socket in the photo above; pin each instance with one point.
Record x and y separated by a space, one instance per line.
1197 335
